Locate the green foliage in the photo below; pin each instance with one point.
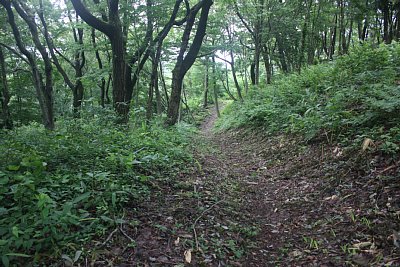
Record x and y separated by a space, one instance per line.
60 189
355 97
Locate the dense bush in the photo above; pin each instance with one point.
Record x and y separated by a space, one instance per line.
355 97
60 189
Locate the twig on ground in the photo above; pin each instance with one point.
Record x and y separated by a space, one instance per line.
126 235
198 218
108 238
390 167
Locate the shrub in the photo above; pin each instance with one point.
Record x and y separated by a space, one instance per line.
60 189
354 95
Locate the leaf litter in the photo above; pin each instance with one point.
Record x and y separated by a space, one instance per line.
256 200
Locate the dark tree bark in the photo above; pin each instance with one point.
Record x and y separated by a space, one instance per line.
123 76
281 51
185 62
267 63
43 85
396 33
384 7
253 73
5 119
102 84
114 31
333 39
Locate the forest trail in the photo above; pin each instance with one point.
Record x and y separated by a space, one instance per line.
285 204
258 201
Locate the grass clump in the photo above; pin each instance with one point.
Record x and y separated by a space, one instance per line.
60 189
355 97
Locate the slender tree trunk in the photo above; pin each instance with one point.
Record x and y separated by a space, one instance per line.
333 38
397 28
102 84
349 36
256 63
184 62
281 52
43 85
365 28
215 88
246 83
341 26
227 87
156 83
267 64
386 20
79 64
6 121
153 84
164 85
206 84
304 34
235 79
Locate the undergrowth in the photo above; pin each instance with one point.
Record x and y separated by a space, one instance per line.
60 189
354 98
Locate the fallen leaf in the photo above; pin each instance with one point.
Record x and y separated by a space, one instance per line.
188 256
367 143
360 259
176 242
362 245
186 236
334 197
295 253
396 239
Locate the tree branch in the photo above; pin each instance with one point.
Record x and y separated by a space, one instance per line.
96 23
15 52
243 21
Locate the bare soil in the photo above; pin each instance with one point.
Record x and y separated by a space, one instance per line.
257 200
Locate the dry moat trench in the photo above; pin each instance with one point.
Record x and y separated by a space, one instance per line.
254 200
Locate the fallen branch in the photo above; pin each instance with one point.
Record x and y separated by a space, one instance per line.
198 218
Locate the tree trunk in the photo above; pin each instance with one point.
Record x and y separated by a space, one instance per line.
6 121
281 52
44 88
214 72
184 63
156 83
386 18
102 84
227 87
235 79
164 85
206 84
397 27
267 63
333 39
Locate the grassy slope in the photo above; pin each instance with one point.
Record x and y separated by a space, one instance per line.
353 98
336 129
